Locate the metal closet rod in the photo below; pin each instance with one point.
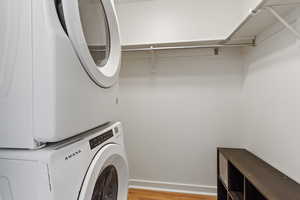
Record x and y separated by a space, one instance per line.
152 48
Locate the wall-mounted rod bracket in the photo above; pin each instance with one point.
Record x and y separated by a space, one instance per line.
283 21
254 41
216 51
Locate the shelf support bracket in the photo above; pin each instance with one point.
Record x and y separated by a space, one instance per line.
283 21
216 51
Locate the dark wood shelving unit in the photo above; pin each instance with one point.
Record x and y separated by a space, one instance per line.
244 176
236 195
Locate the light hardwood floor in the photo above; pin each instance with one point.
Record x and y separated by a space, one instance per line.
138 194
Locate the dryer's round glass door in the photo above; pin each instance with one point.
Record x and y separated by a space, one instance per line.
92 27
95 29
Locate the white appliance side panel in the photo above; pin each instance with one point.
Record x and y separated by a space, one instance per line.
71 164
81 104
15 74
67 101
26 180
45 34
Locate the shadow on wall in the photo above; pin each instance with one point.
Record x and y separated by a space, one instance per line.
271 97
177 111
177 64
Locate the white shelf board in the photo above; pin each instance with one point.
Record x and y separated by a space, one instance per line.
275 2
257 23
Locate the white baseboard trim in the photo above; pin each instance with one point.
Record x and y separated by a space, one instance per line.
173 187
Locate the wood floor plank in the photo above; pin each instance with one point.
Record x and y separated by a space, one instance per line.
139 194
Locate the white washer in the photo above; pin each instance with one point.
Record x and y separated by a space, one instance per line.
59 67
89 167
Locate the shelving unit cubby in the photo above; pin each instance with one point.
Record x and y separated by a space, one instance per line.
244 176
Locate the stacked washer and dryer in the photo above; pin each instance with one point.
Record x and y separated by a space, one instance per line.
59 69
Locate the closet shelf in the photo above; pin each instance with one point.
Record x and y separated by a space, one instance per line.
267 13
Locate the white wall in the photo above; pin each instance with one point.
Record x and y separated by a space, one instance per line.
176 117
271 98
162 21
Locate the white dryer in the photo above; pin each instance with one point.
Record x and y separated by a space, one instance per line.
89 167
59 68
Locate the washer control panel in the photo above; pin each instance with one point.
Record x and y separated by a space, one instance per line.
96 141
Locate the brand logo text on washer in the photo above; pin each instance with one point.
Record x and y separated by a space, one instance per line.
73 154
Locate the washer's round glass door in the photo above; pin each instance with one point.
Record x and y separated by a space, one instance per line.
107 175
93 29
106 187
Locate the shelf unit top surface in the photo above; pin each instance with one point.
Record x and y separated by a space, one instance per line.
272 183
